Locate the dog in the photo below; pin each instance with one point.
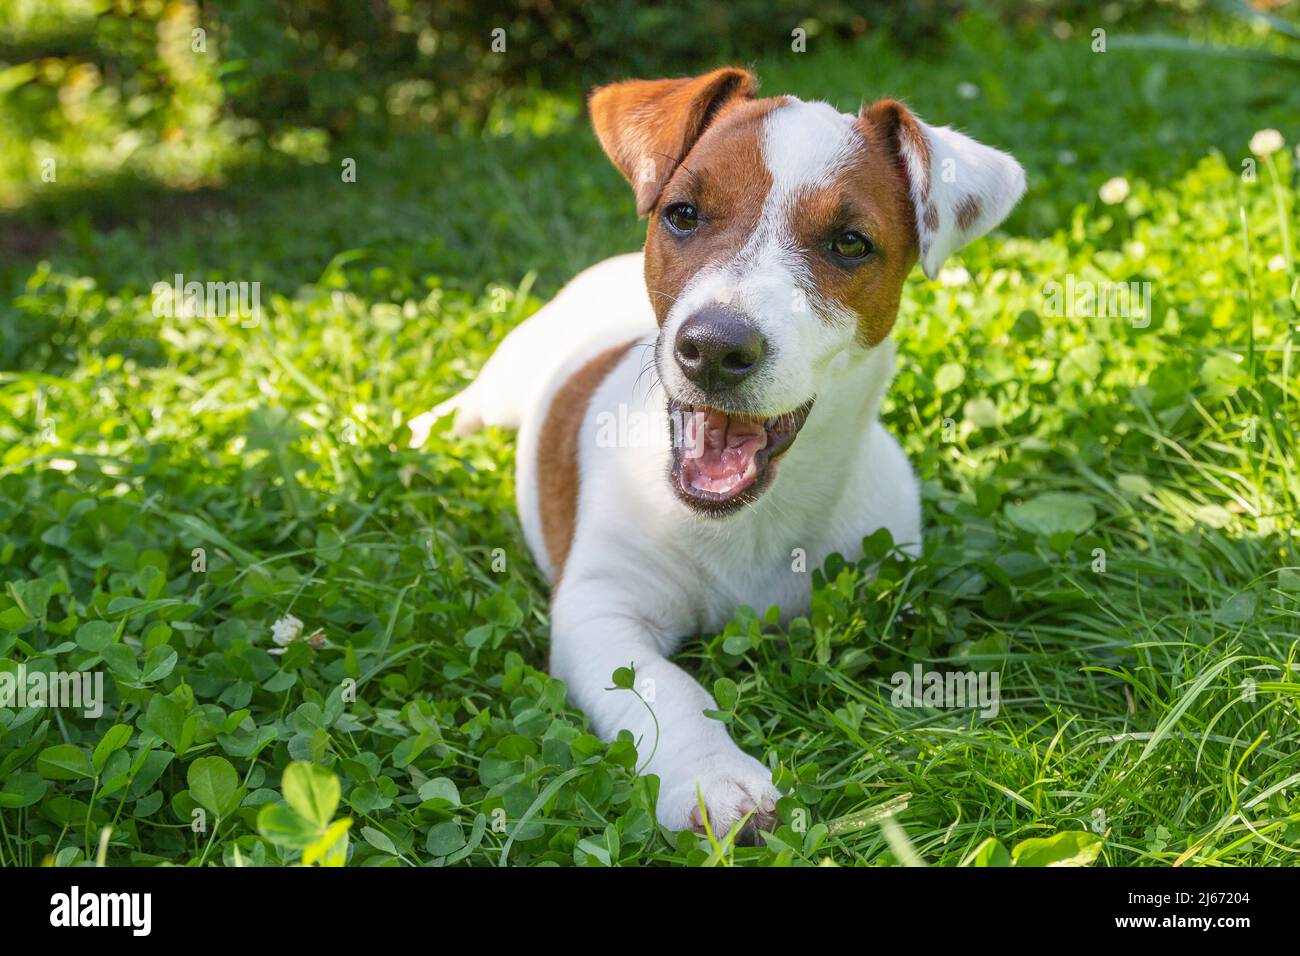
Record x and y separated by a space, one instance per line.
691 415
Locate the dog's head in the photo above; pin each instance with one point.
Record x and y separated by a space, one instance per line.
780 236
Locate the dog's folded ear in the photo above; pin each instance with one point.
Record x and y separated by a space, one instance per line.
647 127
960 189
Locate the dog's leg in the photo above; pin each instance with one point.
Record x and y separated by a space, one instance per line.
692 754
498 396
602 306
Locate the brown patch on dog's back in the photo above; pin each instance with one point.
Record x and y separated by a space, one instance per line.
557 454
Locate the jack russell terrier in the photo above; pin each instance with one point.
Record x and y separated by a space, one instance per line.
690 415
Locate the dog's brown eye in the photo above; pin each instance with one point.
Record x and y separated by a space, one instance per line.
851 245
682 216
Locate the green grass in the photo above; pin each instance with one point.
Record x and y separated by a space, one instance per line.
1045 445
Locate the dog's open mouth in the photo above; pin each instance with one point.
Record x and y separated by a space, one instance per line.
722 460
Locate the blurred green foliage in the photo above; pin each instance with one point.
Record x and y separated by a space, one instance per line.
93 91
181 93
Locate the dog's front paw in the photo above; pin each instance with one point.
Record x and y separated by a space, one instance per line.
732 784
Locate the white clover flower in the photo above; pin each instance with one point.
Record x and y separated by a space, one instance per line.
1266 142
286 630
957 275
1277 263
1114 190
968 91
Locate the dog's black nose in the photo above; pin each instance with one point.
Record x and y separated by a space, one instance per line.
717 348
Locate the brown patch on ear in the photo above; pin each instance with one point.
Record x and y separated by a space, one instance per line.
931 216
557 454
968 210
647 127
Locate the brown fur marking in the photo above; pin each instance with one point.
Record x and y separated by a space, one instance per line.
725 178
709 131
871 196
968 210
931 217
901 133
557 454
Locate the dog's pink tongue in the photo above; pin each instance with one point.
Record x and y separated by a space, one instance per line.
719 453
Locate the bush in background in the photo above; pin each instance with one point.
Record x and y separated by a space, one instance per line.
179 92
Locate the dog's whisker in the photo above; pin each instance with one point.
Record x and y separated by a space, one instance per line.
647 367
671 298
